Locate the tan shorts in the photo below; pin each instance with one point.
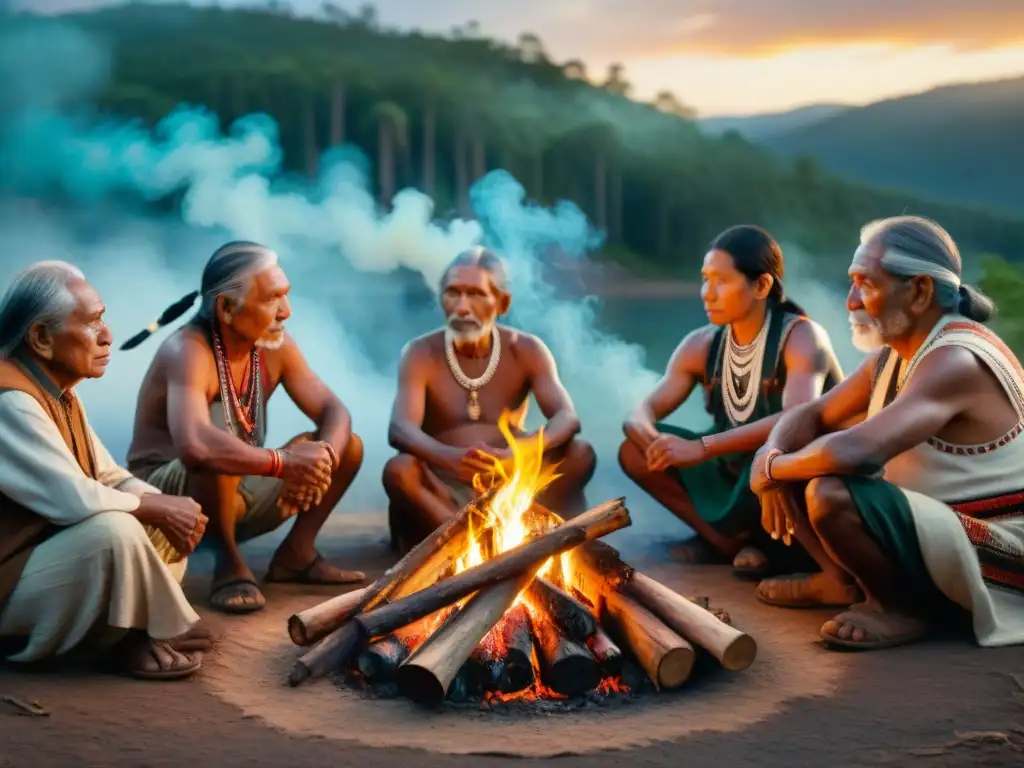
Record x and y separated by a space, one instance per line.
260 495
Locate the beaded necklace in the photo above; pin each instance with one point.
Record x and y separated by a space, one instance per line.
240 413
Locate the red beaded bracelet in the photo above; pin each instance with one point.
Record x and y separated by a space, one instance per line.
276 463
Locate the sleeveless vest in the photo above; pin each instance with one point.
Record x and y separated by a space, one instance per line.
21 529
773 373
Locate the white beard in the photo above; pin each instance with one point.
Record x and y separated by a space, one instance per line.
468 336
271 343
864 332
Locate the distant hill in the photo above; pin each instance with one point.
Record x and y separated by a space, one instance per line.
959 143
763 127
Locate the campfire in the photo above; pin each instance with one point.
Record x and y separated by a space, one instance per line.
507 600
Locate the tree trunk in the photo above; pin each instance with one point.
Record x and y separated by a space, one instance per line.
461 174
538 176
312 152
664 225
238 96
479 156
430 147
386 161
601 191
338 112
615 204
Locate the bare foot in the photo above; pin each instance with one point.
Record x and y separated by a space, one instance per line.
807 590
695 551
319 571
868 629
150 659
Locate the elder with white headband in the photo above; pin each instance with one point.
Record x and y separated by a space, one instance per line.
918 504
201 424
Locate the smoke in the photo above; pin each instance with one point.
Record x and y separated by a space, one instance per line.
354 304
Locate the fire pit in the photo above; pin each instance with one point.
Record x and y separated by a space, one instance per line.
509 602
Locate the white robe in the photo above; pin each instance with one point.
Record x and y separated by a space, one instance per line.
102 571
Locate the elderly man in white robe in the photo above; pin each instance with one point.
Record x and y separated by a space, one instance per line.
919 504
79 536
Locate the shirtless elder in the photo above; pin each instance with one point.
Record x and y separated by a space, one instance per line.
453 385
200 427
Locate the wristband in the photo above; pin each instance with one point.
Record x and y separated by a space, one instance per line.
773 454
704 444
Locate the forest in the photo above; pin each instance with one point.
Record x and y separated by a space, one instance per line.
438 111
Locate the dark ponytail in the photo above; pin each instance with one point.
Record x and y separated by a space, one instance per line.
975 305
754 253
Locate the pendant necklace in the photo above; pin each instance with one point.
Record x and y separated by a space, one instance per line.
473 385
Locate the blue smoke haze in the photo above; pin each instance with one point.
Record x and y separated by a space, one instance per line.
353 304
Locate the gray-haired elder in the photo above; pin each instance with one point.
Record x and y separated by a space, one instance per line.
201 422
919 505
454 384
90 556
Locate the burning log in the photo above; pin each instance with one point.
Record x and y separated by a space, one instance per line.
568 613
598 570
417 569
566 666
378 662
308 626
382 658
735 650
503 660
607 653
426 675
665 656
339 647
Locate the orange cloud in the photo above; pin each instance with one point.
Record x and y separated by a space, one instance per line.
756 28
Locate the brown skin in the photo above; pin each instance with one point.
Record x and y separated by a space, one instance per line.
433 433
173 421
730 298
79 350
952 396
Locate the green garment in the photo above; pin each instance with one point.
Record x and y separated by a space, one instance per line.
719 488
885 513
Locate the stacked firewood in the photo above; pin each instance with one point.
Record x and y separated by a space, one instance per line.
428 628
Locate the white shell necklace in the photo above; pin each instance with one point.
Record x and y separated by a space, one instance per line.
743 364
473 385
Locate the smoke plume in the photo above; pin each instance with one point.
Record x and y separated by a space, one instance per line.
354 304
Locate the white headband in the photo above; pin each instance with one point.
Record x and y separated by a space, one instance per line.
904 264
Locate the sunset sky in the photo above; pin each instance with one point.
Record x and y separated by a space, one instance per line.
740 56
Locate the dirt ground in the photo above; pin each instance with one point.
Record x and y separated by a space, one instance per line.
940 703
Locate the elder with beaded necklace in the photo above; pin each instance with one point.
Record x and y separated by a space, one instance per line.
201 423
760 355
453 385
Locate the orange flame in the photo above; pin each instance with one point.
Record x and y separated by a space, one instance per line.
518 483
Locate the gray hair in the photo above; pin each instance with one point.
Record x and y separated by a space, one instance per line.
38 294
915 246
485 259
230 272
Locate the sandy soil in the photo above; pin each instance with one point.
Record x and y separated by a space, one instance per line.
941 703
